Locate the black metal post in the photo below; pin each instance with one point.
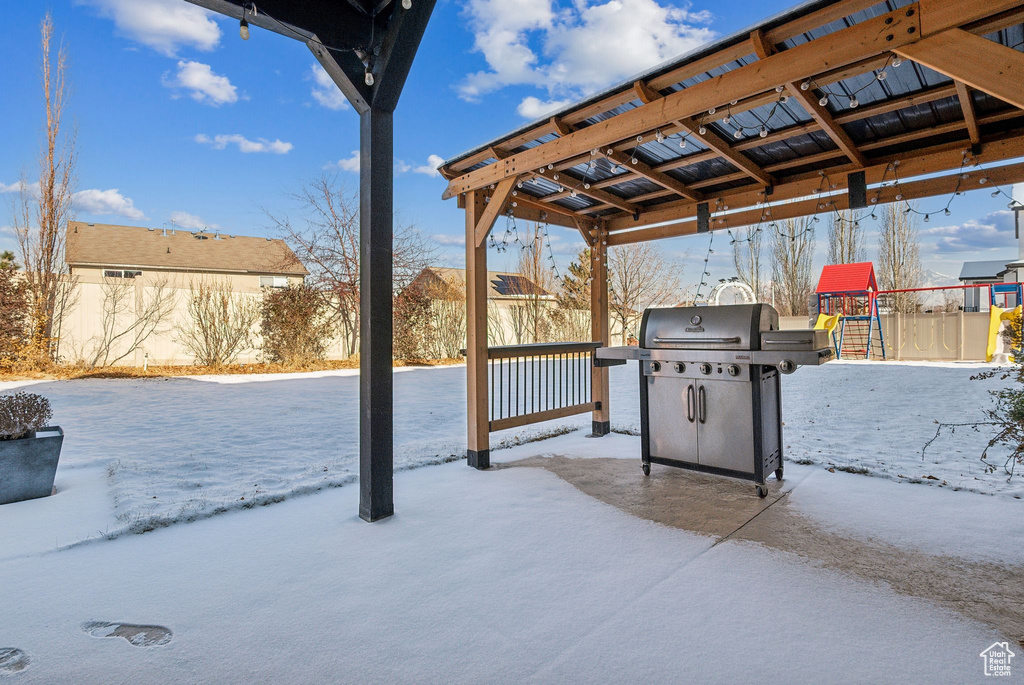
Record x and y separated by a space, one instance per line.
376 450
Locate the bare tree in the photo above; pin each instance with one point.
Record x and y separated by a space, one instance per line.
129 317
747 254
899 260
497 331
326 240
220 325
537 287
845 239
572 316
639 276
792 256
42 209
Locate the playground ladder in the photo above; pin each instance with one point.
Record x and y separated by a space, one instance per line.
860 337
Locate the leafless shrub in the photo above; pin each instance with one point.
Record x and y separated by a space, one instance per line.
295 325
792 251
22 414
129 317
326 240
220 325
447 320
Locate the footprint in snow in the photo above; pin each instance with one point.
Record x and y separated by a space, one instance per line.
12 660
136 635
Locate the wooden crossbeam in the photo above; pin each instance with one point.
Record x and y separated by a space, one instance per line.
914 190
502 194
975 61
726 150
593 193
809 101
967 107
646 171
866 39
941 157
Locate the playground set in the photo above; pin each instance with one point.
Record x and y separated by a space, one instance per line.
850 304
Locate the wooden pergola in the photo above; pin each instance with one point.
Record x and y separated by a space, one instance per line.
810 112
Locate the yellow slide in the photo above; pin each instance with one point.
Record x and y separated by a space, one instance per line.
827 322
996 317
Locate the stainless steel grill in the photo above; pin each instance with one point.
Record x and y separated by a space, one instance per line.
710 396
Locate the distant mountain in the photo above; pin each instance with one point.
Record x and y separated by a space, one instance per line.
934 279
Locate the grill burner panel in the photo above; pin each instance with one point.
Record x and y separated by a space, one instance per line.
710 396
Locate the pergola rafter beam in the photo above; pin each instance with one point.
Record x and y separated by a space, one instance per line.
941 157
970 117
914 190
820 113
978 62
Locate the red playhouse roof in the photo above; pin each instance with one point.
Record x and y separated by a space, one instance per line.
847 278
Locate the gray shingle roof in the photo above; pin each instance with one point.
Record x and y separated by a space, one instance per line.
135 246
991 268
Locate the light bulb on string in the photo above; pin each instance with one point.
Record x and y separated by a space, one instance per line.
764 132
737 134
897 61
823 101
702 130
854 102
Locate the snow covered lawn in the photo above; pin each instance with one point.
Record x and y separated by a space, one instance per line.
515 574
184 448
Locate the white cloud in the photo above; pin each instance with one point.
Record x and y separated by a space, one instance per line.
430 168
164 25
350 163
534 108
205 86
106 203
19 186
186 220
324 91
575 50
221 141
449 240
992 232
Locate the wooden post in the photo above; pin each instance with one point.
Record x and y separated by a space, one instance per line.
599 328
478 436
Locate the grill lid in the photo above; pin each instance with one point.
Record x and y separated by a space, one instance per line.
727 327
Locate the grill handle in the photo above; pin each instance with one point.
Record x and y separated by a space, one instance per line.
805 341
689 403
688 341
702 404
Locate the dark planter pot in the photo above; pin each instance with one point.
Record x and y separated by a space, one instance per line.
28 465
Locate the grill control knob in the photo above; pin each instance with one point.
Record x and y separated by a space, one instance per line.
705 369
680 367
655 366
734 370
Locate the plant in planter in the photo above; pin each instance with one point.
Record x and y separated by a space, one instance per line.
29 447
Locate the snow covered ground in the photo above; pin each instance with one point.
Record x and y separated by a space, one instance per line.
501 576
184 448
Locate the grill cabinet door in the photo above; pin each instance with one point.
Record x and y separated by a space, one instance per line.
672 434
726 434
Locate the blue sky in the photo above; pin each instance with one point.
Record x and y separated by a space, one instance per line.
176 116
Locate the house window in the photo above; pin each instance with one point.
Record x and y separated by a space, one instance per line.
273 281
110 273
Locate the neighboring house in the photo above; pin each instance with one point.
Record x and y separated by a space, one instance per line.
117 272
513 301
988 271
